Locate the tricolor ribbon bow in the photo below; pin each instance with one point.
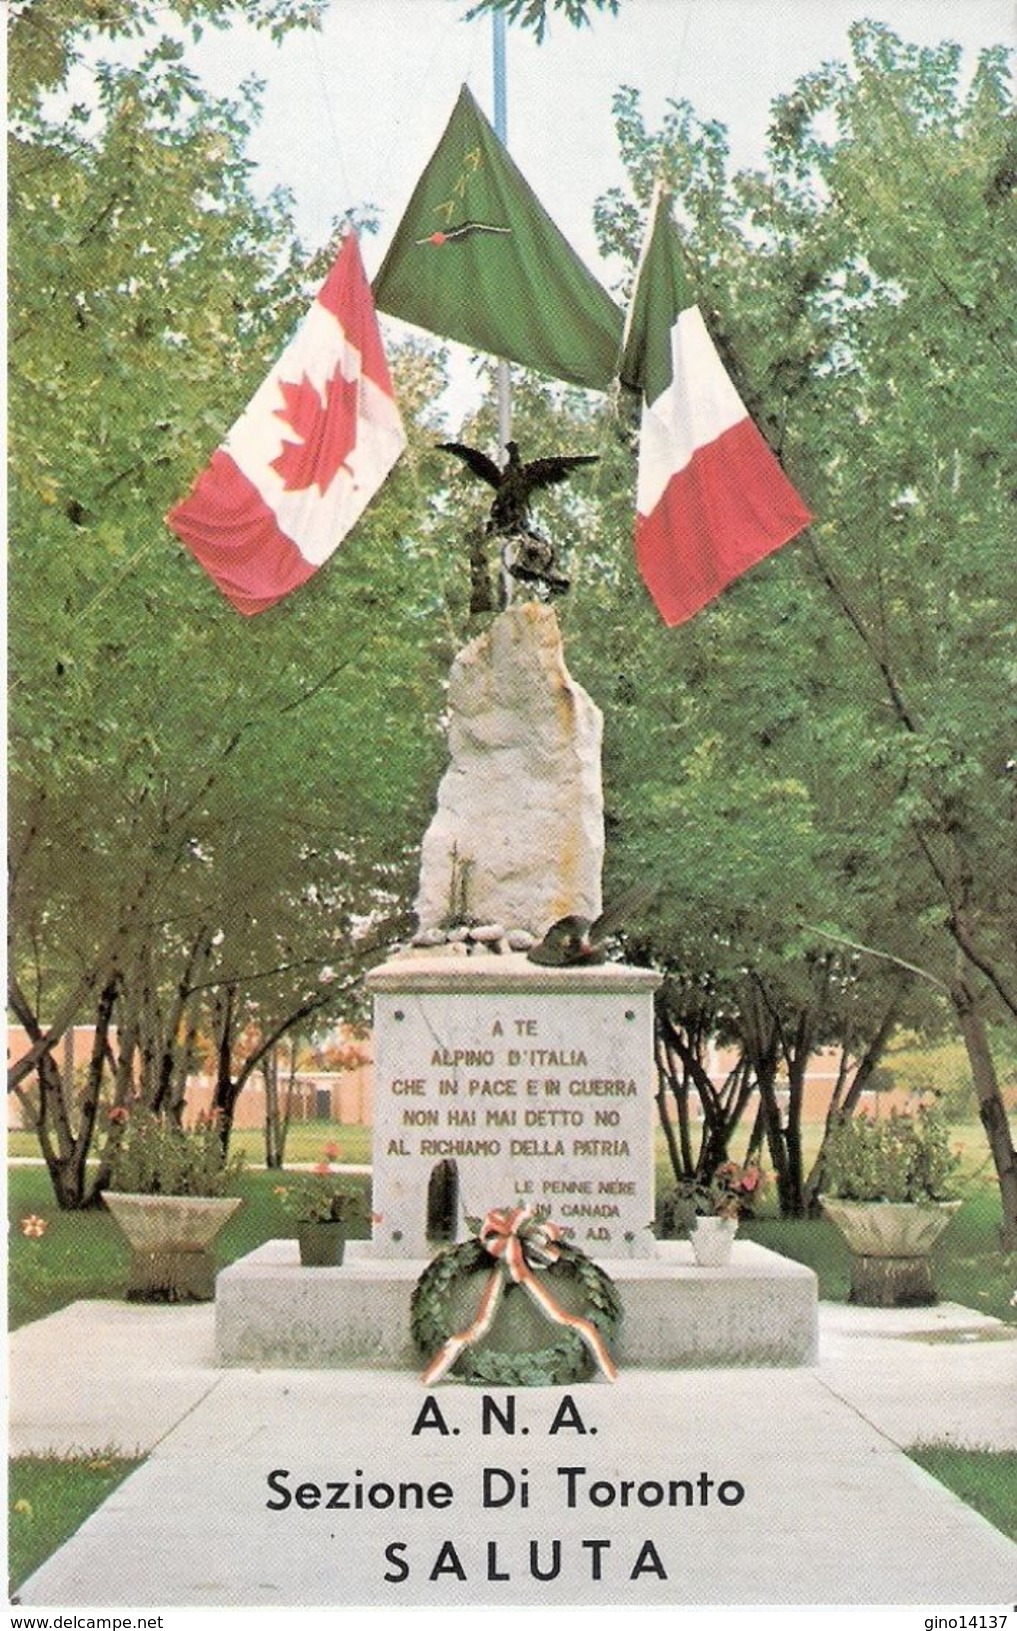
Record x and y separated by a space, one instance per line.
519 1240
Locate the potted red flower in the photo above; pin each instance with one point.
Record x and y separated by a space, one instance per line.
710 1209
323 1206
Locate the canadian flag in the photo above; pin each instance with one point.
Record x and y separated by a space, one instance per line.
305 458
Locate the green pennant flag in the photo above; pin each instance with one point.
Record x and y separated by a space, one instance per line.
476 258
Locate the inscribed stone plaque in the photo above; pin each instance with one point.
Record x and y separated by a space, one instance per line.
536 1083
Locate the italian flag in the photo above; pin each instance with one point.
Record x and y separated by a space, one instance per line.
307 455
711 497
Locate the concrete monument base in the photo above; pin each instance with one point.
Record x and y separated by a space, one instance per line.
522 1086
761 1309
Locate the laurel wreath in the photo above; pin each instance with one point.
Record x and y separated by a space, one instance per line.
566 1360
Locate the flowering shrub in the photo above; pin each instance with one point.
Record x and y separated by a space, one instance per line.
901 1157
732 1188
322 1196
727 1194
154 1155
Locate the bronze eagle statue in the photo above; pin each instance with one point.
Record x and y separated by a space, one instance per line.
515 481
526 553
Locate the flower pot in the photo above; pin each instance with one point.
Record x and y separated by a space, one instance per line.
170 1237
321 1244
712 1240
890 1244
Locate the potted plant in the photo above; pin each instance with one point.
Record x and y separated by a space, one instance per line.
709 1209
323 1206
168 1193
887 1188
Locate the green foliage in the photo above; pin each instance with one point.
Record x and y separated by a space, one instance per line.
45 37
730 1192
154 1155
213 821
567 1359
820 761
323 1197
900 1157
49 1498
983 1479
535 14
206 812
942 1071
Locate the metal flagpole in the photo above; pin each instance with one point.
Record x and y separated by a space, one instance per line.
501 131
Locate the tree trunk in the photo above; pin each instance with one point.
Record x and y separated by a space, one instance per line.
797 1060
680 1048
226 1091
773 1128
844 1104
63 1150
277 1107
90 1102
174 1060
991 1108
761 1040
667 1076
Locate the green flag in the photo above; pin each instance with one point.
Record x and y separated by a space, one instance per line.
476 258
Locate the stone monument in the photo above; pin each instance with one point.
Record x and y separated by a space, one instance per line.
502 1082
499 1082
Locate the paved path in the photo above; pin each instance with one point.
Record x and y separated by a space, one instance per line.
799 1491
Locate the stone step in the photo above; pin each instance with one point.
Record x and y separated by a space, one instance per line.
761 1309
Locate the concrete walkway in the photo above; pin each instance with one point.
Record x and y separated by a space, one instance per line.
697 1487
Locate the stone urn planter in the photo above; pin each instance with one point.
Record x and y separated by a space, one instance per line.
885 1188
322 1245
712 1241
171 1237
890 1244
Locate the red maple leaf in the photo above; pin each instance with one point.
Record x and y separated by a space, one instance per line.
327 430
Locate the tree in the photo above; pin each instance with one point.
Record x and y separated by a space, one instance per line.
858 288
210 824
535 14
925 338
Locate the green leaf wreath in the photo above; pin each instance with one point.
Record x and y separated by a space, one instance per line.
566 1360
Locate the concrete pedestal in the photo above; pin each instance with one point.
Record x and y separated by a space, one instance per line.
759 1310
515 1085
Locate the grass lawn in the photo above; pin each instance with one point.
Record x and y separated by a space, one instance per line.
969 1266
983 1479
305 1143
49 1497
83 1254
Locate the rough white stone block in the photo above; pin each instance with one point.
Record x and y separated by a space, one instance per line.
518 835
